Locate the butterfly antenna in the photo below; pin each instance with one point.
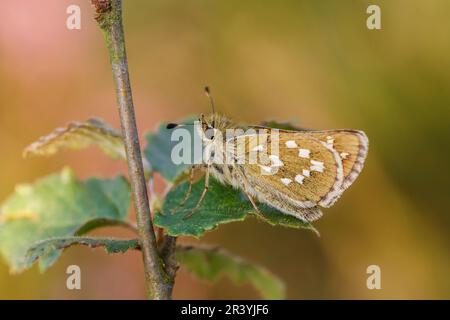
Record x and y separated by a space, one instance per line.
211 100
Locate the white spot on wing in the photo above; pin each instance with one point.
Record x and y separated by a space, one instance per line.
286 181
266 169
344 155
317 166
317 163
276 162
291 144
299 178
303 153
306 173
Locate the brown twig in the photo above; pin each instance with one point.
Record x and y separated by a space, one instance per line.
109 18
167 252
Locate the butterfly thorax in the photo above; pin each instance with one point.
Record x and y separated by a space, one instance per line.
217 132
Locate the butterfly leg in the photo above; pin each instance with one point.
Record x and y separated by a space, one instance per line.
258 212
201 197
189 190
249 196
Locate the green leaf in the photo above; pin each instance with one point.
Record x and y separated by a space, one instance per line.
58 206
159 149
222 204
80 135
45 249
103 222
213 263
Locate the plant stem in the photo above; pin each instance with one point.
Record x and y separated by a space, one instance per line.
167 252
109 17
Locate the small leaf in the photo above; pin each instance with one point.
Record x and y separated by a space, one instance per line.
160 146
58 206
222 204
213 263
80 135
45 249
103 222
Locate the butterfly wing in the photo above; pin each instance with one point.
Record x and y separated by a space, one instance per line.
301 171
352 147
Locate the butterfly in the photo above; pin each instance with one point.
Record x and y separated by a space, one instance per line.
295 171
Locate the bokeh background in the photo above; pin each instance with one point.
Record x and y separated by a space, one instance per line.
313 61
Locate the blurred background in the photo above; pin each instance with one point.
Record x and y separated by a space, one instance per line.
312 61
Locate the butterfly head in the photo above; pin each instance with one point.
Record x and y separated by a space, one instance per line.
206 127
211 127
